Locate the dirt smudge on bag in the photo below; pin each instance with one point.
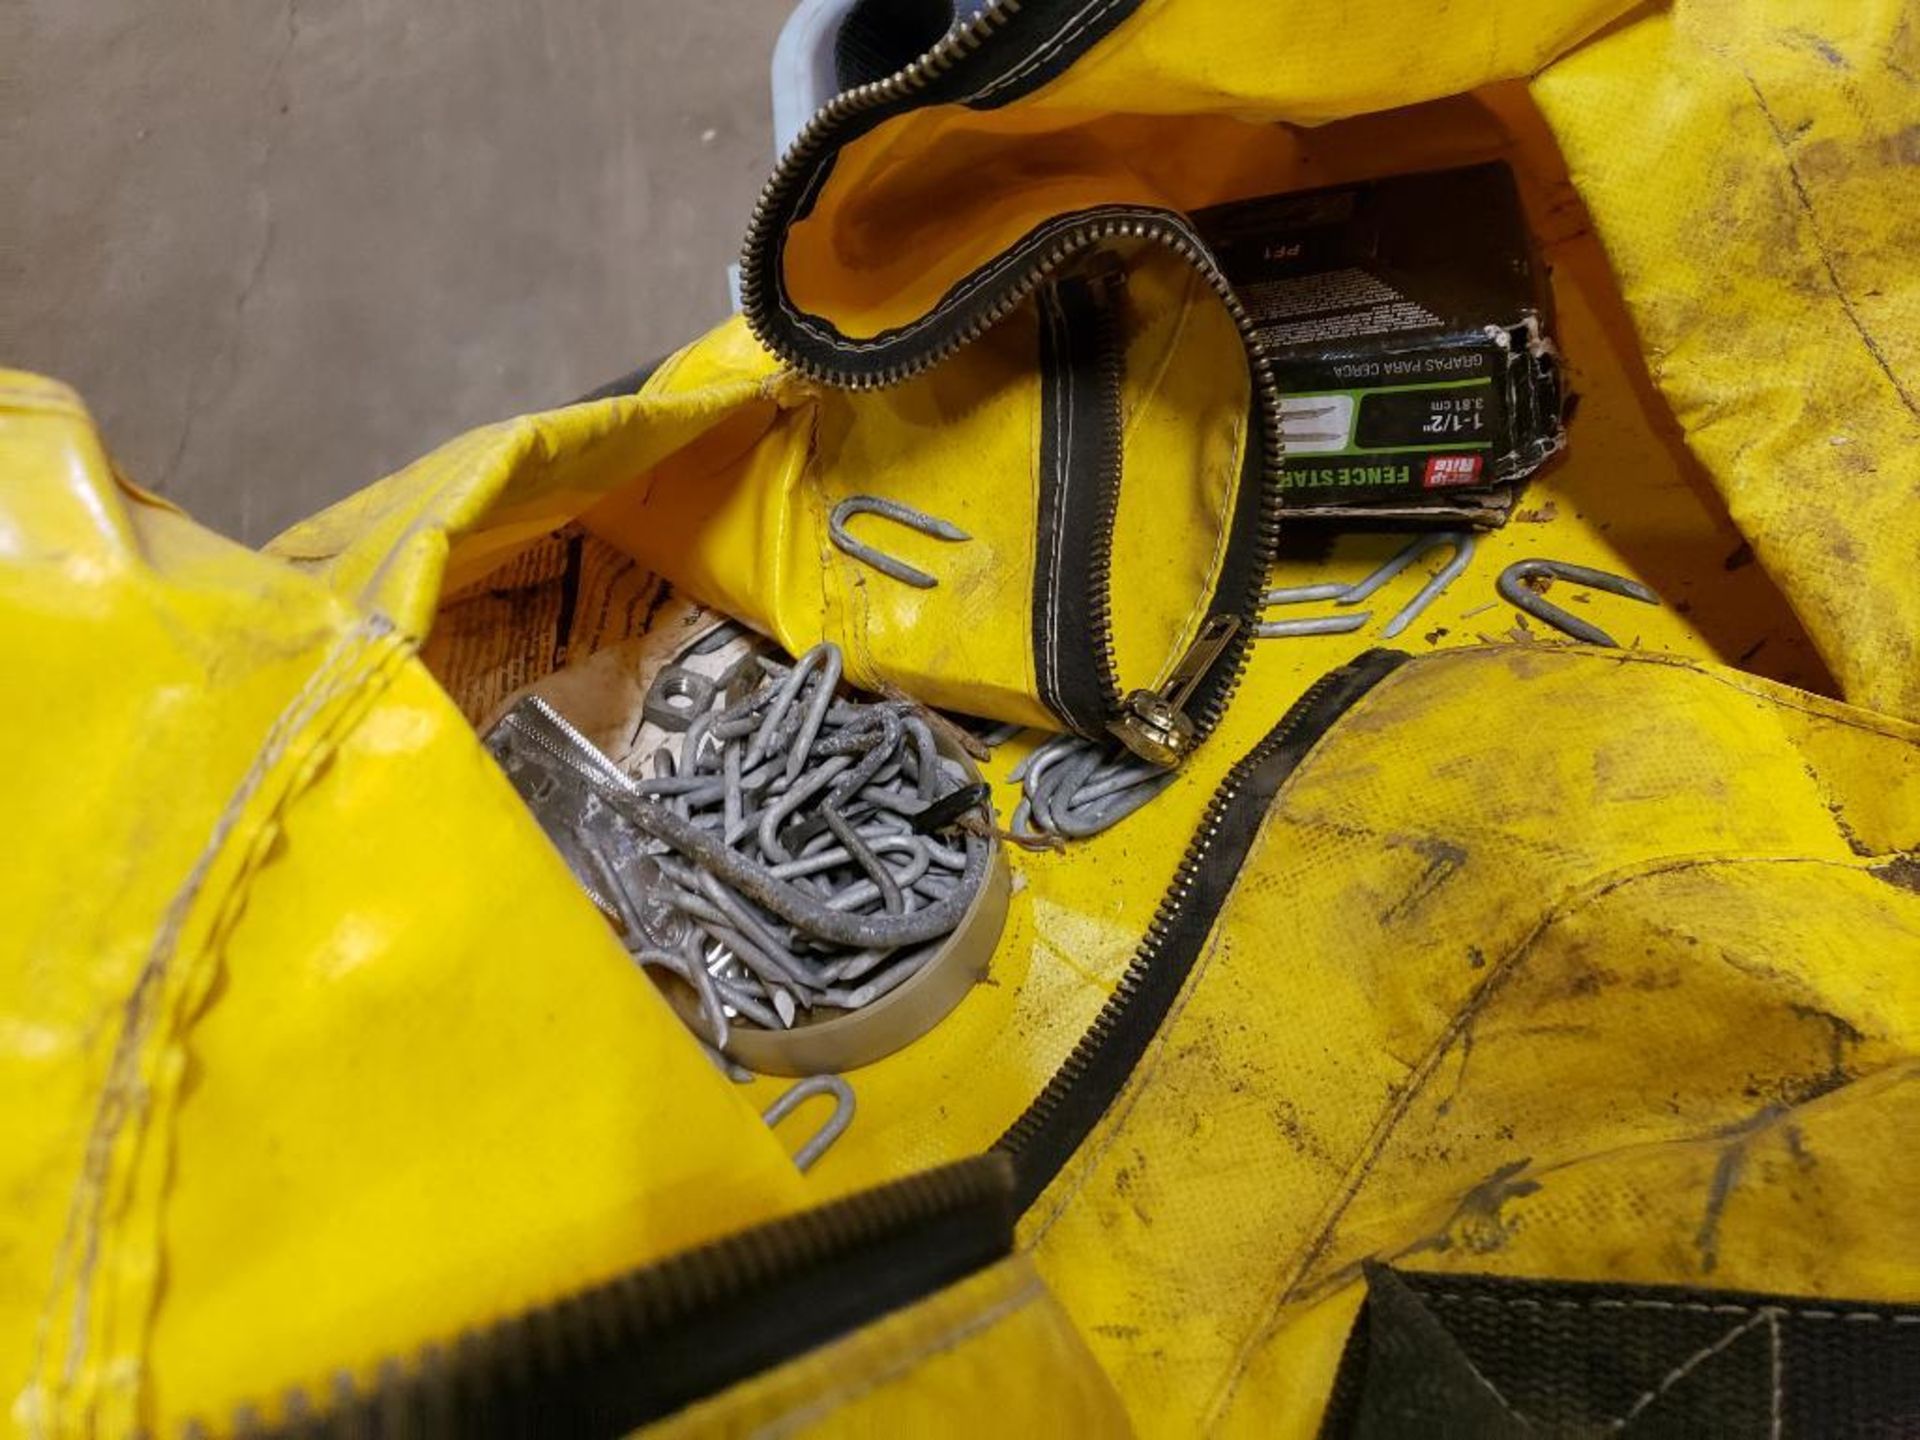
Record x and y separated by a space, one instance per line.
1726 1175
1299 1136
1128 1185
1479 1223
1444 859
1902 872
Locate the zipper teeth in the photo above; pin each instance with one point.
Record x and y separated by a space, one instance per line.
991 311
817 135
1039 1114
622 1315
1267 398
664 1294
796 166
1106 527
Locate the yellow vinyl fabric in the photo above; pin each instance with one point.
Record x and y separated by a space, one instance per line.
740 519
316 1055
1542 962
1756 192
1546 962
311 1049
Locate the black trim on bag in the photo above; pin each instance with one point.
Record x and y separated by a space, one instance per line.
1051 35
1079 462
1243 567
607 1360
630 383
812 340
1032 46
1433 1354
1044 1139
878 37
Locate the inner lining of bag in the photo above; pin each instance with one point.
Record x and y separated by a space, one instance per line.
923 202
946 189
1184 424
957 443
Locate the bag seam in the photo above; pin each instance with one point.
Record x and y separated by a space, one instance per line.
351 670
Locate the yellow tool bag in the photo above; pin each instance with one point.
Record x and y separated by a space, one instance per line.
1478 1032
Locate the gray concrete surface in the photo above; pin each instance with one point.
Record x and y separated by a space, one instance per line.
283 248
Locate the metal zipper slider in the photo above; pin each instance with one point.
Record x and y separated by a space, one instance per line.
1154 724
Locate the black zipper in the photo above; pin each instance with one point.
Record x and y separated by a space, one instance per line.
1061 1116
1006 49
1255 529
1081 358
607 1360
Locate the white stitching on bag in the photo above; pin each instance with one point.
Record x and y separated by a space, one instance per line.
1074 27
1518 1302
1064 402
1766 1316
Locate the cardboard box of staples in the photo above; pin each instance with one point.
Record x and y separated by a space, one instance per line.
1409 327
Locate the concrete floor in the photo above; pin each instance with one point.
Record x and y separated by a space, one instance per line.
284 248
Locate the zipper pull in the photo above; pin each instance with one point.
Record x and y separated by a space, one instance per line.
1154 724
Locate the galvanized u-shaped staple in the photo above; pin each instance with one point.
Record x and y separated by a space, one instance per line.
1463 547
1513 587
901 515
836 1125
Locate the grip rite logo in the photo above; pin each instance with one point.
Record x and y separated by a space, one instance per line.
1445 470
